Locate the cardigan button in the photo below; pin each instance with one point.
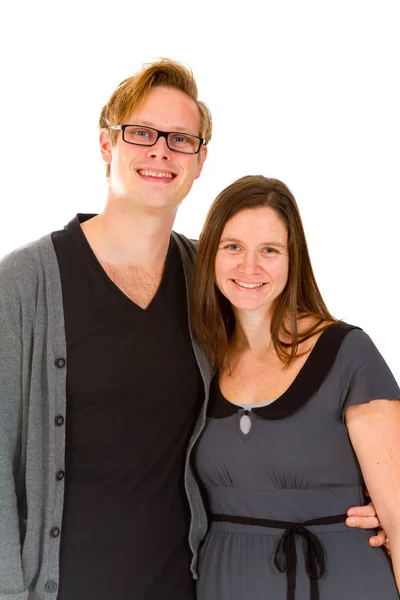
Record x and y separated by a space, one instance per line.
60 475
59 420
55 532
60 362
51 587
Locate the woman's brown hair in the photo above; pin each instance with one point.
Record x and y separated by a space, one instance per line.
212 314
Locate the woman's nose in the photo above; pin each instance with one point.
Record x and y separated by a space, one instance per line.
250 264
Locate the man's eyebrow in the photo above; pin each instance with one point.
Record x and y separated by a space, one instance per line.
236 241
177 128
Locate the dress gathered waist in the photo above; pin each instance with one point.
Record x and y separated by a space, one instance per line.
285 558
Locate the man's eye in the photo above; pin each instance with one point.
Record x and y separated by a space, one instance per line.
141 133
180 139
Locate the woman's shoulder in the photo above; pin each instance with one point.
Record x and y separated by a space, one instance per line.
333 338
353 343
357 343
362 361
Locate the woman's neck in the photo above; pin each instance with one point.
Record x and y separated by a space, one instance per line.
252 332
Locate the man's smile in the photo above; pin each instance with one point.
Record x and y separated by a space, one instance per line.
154 174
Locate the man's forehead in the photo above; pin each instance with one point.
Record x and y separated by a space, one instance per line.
169 109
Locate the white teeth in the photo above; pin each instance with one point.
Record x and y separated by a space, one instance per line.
147 173
248 285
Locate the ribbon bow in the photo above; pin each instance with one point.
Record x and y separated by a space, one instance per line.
285 558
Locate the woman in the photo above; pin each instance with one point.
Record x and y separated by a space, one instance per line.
303 410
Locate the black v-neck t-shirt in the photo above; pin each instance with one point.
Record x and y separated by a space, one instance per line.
133 393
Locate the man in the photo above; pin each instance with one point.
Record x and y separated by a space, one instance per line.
100 378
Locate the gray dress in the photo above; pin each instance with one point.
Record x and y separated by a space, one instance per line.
293 461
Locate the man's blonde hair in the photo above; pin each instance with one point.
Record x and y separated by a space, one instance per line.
131 93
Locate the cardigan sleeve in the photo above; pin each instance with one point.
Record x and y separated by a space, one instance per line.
11 573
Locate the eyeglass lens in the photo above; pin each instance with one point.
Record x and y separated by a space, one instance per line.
146 136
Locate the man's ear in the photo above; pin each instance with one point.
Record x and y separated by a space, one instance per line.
105 145
202 158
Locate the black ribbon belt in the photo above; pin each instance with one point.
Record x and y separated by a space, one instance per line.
285 558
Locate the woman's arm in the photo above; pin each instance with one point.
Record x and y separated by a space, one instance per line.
374 431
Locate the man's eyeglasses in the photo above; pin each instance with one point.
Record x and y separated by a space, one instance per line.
148 136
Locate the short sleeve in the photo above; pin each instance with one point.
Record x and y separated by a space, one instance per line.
365 374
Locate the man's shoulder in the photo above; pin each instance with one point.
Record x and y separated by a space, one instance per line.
186 243
188 250
22 265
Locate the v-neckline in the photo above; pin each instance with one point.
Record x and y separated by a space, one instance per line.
111 285
303 387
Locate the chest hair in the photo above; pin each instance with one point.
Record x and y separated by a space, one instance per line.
138 284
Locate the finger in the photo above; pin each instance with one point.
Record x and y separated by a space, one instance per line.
363 522
386 545
387 548
379 539
362 511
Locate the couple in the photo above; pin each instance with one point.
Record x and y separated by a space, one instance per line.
105 433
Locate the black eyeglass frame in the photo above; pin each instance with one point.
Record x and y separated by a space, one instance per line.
163 134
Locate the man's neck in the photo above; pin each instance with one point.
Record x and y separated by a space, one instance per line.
122 238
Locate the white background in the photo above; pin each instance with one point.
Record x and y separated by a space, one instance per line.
317 84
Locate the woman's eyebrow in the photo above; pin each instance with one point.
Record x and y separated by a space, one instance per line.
236 241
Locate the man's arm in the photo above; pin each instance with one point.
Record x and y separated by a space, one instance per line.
11 575
374 431
365 517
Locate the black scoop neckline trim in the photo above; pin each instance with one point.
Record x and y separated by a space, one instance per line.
302 388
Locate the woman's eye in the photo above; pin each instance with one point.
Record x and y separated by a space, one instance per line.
269 250
232 247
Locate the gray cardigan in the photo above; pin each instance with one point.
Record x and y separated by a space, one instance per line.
32 434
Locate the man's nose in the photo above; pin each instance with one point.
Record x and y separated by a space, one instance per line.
160 150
